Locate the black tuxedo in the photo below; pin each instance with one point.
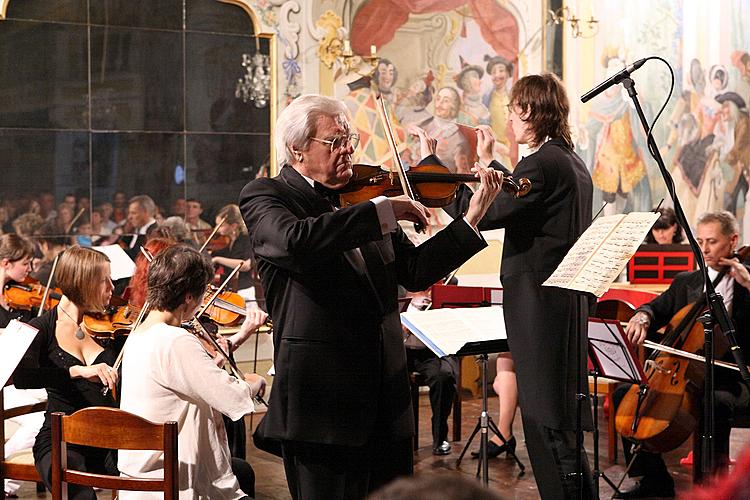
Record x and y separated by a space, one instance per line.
339 356
540 321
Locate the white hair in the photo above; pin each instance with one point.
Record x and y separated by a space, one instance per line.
296 123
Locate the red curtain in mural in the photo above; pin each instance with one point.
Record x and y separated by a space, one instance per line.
376 22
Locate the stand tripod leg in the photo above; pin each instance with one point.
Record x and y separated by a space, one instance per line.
468 443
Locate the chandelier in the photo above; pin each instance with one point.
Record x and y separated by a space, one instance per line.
255 84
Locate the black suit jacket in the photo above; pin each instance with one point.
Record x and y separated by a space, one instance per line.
339 355
540 321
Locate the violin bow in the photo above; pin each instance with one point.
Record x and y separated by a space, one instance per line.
405 184
138 320
218 291
47 287
205 243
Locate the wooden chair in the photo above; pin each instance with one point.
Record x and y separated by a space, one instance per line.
112 428
415 382
19 466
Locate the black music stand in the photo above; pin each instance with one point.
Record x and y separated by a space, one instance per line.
613 357
481 348
484 421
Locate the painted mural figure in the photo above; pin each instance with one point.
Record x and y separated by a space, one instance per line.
736 147
614 145
472 111
452 146
496 101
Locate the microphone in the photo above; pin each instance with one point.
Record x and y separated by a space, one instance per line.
613 80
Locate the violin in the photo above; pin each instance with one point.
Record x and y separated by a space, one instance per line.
227 309
664 413
28 295
112 322
434 185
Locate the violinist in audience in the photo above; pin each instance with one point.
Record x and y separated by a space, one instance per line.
169 375
69 363
718 236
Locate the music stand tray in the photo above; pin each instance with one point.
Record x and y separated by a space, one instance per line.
613 357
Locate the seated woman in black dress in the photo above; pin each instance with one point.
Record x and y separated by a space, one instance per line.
237 250
68 363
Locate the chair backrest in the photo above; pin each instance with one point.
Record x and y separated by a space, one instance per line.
12 469
112 428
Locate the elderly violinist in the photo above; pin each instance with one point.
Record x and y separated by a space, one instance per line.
718 235
340 404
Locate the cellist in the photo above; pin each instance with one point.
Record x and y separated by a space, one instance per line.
717 235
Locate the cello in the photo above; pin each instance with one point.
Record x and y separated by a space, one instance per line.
664 413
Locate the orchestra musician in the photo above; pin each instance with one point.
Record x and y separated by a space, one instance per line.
15 262
341 405
718 235
540 321
168 375
70 364
237 248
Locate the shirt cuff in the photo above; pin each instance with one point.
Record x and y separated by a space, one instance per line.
386 217
476 231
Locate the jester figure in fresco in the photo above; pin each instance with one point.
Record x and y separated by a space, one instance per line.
373 147
472 112
496 101
613 146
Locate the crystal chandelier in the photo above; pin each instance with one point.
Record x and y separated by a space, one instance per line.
255 84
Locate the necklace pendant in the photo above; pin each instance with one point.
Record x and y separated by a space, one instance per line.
79 334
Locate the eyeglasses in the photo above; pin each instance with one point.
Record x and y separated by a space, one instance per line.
339 141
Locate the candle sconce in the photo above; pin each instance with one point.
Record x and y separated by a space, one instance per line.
579 27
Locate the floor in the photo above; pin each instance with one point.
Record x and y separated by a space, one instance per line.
503 473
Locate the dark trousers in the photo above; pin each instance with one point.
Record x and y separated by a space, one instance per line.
97 461
440 376
552 453
330 472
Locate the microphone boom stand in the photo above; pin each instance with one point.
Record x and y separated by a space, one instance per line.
717 311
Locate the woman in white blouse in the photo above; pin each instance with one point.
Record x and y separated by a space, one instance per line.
168 375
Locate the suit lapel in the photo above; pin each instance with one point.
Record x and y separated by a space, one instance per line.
314 204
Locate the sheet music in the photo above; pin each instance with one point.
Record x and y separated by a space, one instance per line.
446 331
612 353
122 265
15 340
602 252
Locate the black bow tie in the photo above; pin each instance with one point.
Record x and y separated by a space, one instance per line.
329 194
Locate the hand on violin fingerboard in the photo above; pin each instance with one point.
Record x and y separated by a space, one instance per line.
490 183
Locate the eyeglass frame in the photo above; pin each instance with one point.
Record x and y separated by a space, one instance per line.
352 139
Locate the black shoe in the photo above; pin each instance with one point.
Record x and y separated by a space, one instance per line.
443 448
494 450
647 488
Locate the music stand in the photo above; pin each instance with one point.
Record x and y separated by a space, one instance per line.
613 357
481 344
